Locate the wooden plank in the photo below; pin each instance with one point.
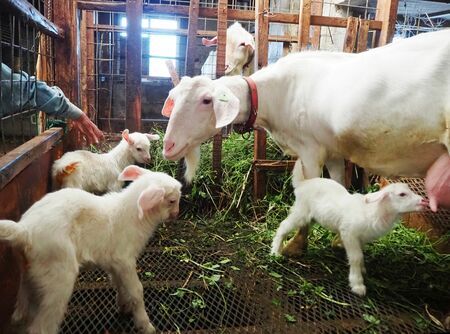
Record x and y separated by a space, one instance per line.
32 16
90 68
192 37
11 268
363 35
262 46
133 66
15 161
351 34
233 14
304 24
316 9
221 37
66 59
274 165
84 60
387 13
222 14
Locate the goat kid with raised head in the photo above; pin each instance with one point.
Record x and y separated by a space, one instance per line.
357 218
98 173
71 228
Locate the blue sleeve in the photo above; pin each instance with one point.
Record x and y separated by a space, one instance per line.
19 92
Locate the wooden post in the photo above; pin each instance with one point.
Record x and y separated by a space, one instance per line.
351 34
66 62
222 14
387 13
262 46
304 23
192 37
133 65
363 34
316 9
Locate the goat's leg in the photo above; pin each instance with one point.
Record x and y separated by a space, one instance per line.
55 285
306 168
122 298
290 223
336 169
356 261
133 296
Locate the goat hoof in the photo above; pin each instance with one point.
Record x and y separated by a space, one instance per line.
147 329
360 290
294 249
337 242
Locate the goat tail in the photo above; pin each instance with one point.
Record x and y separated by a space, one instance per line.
14 233
61 172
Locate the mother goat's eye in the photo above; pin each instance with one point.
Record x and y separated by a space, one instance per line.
206 101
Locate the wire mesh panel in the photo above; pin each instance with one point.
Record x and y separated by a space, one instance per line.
163 38
26 56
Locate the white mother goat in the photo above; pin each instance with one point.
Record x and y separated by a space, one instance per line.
386 109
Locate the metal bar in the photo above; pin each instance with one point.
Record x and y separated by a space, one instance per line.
32 16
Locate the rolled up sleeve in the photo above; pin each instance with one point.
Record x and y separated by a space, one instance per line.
20 92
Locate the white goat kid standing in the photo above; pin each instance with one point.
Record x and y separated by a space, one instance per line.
98 173
71 228
358 218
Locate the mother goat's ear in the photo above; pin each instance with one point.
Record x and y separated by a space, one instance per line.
225 105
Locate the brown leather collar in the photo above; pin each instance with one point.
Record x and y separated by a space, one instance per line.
249 125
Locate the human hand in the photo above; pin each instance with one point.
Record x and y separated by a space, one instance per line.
88 129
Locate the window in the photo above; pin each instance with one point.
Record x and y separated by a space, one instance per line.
162 45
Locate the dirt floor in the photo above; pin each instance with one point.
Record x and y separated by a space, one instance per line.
201 279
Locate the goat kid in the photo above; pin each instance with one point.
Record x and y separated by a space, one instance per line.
71 228
98 173
358 218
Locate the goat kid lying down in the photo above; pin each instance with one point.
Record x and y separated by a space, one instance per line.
98 173
358 218
71 228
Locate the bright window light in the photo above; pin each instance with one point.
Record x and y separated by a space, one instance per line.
123 24
162 48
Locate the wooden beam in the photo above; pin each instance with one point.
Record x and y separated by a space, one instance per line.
222 14
304 24
363 35
351 34
233 14
316 9
192 37
262 46
66 58
32 16
274 165
15 161
387 13
133 64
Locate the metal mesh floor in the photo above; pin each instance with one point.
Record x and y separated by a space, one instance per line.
183 296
